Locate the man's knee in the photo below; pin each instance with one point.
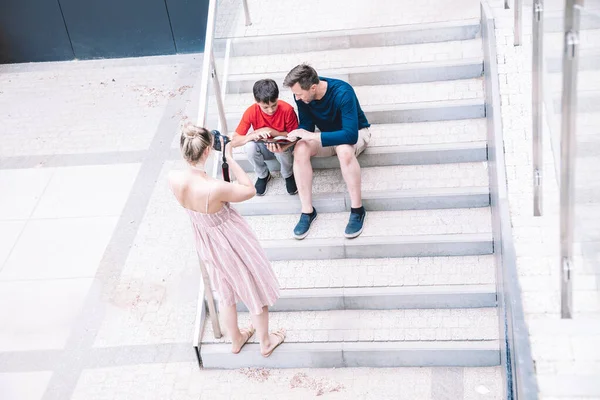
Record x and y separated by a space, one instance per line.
302 151
345 154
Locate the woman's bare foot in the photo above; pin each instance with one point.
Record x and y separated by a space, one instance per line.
275 339
238 343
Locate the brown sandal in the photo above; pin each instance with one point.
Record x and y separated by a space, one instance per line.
281 335
248 332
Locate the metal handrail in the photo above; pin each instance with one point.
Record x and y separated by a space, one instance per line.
537 103
207 70
518 30
247 13
567 153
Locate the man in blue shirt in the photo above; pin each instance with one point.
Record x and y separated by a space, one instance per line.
330 105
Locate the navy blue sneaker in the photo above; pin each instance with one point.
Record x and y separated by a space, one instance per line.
355 224
302 227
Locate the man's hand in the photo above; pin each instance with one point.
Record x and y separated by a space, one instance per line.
303 134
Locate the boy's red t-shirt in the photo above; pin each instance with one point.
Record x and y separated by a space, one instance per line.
284 119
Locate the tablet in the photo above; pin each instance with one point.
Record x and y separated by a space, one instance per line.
282 140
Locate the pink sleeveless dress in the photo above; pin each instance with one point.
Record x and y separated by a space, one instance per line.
237 264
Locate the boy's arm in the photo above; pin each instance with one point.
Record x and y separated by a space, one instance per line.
241 136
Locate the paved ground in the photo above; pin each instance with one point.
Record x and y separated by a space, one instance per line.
98 276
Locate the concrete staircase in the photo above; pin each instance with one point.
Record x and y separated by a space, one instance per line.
417 288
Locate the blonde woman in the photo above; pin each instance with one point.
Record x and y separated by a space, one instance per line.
237 264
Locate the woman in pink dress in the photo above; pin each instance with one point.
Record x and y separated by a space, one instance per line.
237 264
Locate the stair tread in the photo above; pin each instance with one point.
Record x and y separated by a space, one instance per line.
355 57
372 96
475 324
436 132
381 272
399 177
424 133
379 223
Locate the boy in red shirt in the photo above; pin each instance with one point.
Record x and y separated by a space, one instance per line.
269 117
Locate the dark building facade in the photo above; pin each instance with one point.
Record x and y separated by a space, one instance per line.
54 30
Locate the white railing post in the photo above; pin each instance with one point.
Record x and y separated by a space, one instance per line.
247 12
567 153
518 30
537 100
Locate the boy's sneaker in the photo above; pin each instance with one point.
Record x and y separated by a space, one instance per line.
261 185
302 227
290 185
355 224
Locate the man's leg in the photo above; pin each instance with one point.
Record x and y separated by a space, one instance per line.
351 173
347 154
303 172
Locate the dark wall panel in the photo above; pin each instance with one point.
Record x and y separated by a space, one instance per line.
118 28
188 19
32 30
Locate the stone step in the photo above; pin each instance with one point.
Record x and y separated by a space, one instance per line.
435 132
393 177
412 233
422 133
367 338
454 244
391 74
385 298
381 272
378 224
382 200
371 96
397 113
389 188
424 154
375 354
330 41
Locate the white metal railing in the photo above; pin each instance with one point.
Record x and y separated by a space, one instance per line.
208 73
210 76
567 152
570 57
247 13
537 102
518 22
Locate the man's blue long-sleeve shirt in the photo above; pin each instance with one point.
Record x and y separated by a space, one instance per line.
337 115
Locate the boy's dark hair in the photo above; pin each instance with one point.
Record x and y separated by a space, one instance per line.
302 74
265 91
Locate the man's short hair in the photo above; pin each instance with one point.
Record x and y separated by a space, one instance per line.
265 91
302 74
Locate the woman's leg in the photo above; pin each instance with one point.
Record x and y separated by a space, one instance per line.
238 339
268 341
